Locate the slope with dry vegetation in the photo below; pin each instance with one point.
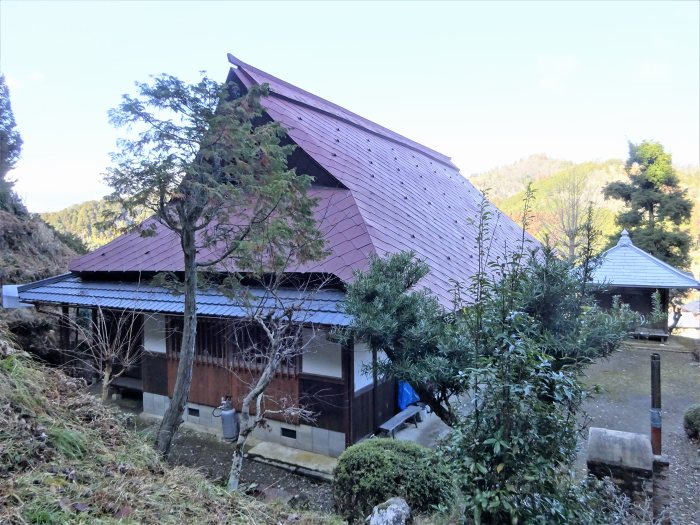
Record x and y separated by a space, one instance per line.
66 458
30 249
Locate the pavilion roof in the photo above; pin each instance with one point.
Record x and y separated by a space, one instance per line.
626 265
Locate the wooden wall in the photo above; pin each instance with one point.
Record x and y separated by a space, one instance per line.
327 398
221 371
211 381
638 299
371 407
155 373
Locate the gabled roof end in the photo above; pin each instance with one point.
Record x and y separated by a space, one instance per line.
233 60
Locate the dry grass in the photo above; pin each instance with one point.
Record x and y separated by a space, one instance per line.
65 458
29 249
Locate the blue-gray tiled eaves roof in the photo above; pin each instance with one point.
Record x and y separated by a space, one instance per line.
323 307
625 265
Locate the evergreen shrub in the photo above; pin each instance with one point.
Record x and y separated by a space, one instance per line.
375 470
691 421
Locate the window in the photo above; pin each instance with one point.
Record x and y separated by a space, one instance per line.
288 433
229 343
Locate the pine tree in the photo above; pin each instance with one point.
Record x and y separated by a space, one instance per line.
656 207
213 172
10 150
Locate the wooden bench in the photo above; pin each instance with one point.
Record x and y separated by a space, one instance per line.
410 413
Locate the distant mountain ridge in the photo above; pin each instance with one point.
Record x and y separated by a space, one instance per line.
517 175
87 221
83 220
505 186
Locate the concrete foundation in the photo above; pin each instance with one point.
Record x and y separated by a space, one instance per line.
624 457
302 437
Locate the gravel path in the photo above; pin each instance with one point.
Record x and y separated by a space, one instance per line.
624 402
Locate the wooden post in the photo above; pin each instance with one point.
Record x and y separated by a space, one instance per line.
655 412
375 422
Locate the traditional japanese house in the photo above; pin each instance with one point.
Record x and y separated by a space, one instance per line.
634 276
379 193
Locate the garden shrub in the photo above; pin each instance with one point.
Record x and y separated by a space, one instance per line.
691 421
375 470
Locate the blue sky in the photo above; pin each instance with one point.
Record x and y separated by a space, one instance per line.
485 83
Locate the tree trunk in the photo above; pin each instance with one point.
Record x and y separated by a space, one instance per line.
106 380
571 244
172 419
236 468
244 430
677 314
246 424
444 413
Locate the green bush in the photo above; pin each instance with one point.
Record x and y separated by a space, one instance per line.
691 421
375 470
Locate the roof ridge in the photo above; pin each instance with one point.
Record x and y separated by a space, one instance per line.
383 131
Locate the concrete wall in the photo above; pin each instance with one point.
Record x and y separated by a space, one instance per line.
321 356
627 459
624 457
312 439
154 333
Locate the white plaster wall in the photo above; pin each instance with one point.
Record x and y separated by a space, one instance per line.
321 356
362 356
154 333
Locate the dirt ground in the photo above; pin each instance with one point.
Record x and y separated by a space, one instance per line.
212 456
624 401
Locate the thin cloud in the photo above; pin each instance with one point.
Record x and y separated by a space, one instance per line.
652 69
15 83
556 71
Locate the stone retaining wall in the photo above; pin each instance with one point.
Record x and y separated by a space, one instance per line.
628 460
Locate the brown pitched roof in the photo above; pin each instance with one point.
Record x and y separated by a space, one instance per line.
400 195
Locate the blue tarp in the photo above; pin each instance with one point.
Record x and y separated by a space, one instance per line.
407 396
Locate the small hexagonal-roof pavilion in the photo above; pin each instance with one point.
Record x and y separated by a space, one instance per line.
634 275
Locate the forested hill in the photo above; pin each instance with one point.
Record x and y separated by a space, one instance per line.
552 177
505 186
83 220
505 181
87 222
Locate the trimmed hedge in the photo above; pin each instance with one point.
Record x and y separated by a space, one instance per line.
377 469
691 421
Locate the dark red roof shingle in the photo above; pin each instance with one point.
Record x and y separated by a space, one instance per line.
401 196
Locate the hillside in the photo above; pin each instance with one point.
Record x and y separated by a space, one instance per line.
66 458
83 220
506 187
517 175
30 249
